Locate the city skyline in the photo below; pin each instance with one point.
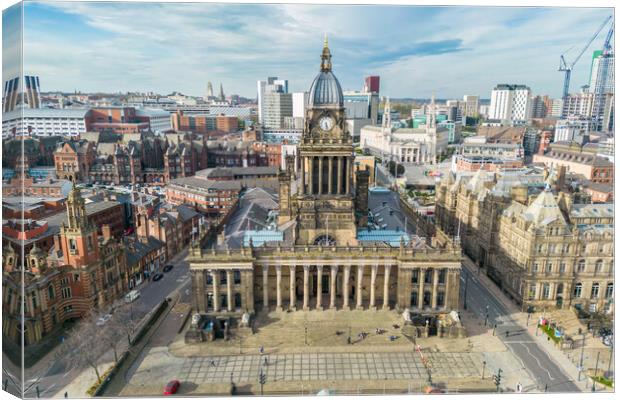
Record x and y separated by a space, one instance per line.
111 47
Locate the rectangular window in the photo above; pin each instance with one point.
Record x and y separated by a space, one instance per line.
68 309
442 276
535 267
562 267
532 292
440 299
549 266
415 276
66 292
236 277
76 278
428 276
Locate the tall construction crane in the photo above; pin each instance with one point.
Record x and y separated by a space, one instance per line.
567 69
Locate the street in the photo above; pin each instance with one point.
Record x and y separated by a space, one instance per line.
542 369
50 375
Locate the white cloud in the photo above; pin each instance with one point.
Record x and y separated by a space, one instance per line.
165 47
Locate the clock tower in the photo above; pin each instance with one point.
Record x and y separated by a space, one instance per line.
323 204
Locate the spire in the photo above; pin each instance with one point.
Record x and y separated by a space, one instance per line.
326 57
222 97
431 119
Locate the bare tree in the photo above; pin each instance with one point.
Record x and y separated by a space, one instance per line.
84 345
112 333
125 320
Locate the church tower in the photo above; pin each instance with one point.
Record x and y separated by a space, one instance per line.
324 200
78 235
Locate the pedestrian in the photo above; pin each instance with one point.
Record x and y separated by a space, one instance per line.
261 349
349 340
507 333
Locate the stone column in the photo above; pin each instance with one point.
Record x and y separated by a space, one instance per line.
348 175
302 189
358 291
339 185
229 278
421 289
306 286
292 299
386 287
320 189
216 290
330 169
435 272
319 286
266 287
373 281
199 280
332 288
310 174
278 288
345 287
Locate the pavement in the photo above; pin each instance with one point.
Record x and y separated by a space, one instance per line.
546 364
55 376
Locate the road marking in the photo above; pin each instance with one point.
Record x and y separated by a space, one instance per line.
519 341
538 362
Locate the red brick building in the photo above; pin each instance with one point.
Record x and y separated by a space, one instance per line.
84 271
73 160
213 198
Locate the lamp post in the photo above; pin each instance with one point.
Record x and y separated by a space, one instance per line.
583 344
484 364
595 372
465 294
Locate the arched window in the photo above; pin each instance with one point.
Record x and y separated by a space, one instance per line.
581 265
598 266
595 289
577 291
609 291
50 292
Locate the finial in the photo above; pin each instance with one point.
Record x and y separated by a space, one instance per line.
325 44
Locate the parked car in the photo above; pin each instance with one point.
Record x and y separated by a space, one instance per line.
131 296
102 320
608 340
172 387
168 267
157 277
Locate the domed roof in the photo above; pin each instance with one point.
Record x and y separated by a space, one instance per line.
325 89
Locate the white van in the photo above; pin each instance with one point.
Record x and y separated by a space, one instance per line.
131 296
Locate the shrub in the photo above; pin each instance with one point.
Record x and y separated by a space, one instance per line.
604 381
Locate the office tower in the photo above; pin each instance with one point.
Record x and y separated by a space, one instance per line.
539 106
209 90
602 86
510 104
371 84
16 95
470 108
276 107
271 85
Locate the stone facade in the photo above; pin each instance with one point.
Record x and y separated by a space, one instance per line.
312 255
535 243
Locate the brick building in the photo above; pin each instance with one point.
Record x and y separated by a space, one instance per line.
83 271
73 159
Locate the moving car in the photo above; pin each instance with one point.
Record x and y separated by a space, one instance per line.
168 267
131 296
102 320
157 277
172 387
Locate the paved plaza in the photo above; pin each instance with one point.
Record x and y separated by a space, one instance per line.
327 366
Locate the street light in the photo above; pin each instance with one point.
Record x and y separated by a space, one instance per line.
583 344
465 295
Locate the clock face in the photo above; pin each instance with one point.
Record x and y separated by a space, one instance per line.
326 123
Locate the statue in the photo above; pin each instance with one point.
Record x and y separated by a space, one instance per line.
245 320
407 316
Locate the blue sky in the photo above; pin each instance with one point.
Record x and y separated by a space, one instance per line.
416 50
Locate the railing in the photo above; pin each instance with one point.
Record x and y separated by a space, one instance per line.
248 253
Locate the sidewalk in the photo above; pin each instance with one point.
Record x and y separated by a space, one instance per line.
561 360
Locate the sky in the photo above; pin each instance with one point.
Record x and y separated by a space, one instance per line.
417 51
